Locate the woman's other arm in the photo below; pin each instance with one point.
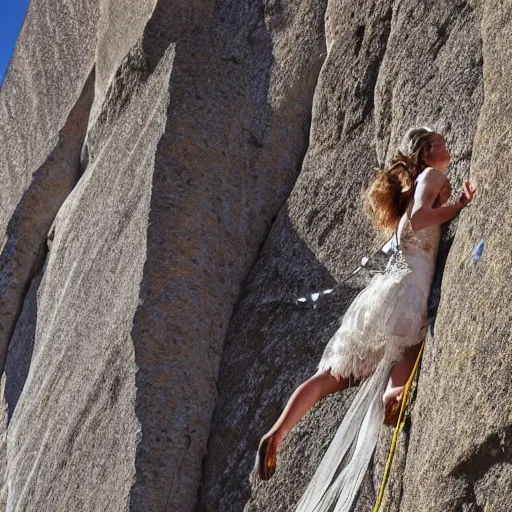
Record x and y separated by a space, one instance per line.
426 216
427 189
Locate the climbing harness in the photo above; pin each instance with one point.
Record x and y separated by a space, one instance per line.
399 426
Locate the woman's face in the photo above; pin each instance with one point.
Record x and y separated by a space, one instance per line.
438 156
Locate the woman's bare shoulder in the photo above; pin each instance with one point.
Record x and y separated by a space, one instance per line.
432 176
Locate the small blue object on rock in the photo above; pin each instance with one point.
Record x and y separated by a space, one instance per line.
477 252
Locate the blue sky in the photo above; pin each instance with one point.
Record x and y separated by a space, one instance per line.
12 13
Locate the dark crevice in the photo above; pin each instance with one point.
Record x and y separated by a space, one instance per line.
359 39
25 249
382 131
372 72
21 346
364 88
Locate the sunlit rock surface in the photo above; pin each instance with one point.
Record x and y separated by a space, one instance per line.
175 175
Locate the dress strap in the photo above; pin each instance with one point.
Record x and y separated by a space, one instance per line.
396 245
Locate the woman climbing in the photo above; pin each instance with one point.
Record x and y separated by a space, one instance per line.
379 337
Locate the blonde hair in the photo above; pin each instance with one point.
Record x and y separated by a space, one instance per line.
392 188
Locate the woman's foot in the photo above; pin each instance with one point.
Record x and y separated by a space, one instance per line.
301 401
267 456
392 399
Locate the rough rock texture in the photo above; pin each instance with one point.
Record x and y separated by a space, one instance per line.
389 66
43 82
175 175
467 464
195 137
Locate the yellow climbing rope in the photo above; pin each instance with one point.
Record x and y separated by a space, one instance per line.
398 429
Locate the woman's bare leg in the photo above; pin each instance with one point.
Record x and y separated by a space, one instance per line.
303 399
400 374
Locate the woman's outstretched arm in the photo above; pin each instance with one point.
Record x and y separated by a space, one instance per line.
426 216
423 214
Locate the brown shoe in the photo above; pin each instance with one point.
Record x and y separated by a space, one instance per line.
267 457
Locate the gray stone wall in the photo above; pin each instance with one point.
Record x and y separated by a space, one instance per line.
175 176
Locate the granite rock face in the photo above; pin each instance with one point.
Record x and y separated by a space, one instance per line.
175 176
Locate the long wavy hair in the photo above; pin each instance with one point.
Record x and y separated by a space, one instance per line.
392 188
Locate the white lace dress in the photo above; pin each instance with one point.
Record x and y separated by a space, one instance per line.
390 314
386 317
